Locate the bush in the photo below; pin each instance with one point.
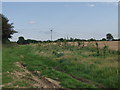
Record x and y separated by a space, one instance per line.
58 54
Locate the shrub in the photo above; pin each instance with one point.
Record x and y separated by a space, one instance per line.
58 54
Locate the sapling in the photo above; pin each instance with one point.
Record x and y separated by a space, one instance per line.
98 53
73 43
105 48
79 43
83 44
65 43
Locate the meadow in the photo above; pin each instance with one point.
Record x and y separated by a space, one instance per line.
63 65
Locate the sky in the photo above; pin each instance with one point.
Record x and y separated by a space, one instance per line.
83 20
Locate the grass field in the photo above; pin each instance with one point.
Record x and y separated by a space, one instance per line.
66 66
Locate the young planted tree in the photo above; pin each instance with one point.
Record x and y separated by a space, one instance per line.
79 43
98 53
65 43
105 49
7 29
83 44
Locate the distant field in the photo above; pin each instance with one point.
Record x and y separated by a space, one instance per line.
60 65
113 45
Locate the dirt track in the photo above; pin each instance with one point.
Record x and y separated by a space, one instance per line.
41 82
27 76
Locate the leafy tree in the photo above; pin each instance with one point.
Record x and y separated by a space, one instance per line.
32 41
109 37
71 39
77 39
21 40
7 28
103 39
91 39
61 39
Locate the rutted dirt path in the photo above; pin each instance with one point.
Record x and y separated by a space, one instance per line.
97 85
37 81
88 82
41 82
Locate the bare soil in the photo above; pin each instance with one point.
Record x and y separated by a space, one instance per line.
36 81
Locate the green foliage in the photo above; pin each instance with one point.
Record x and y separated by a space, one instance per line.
32 41
79 43
69 40
91 39
7 29
58 54
6 78
103 39
109 36
105 49
98 53
21 40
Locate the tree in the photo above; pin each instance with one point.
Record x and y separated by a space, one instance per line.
7 28
103 39
91 39
61 39
109 37
32 41
21 40
71 39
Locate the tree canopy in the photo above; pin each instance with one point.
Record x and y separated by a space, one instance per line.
7 28
22 41
109 37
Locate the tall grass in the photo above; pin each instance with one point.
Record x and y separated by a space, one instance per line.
59 62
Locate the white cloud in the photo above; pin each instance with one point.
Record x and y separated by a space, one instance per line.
91 5
32 22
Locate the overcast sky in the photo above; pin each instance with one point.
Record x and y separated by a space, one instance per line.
84 20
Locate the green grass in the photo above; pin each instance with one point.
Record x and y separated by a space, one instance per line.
6 79
60 62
